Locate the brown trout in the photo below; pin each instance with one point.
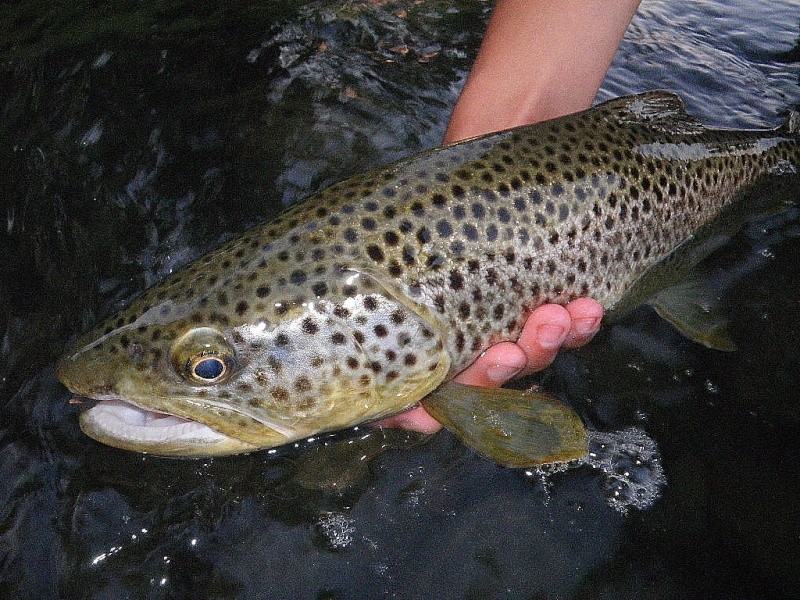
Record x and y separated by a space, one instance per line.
369 296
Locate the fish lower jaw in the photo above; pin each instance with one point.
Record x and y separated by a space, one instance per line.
123 425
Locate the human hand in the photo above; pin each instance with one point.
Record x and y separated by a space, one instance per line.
549 328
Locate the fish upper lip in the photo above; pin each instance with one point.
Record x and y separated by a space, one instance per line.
83 402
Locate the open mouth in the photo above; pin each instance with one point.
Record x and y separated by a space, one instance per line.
125 420
124 425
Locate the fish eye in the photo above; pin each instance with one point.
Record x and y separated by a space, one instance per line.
203 356
208 368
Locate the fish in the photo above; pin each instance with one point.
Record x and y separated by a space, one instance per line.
370 295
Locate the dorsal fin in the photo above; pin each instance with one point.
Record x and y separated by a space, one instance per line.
659 110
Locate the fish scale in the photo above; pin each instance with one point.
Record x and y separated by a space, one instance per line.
368 295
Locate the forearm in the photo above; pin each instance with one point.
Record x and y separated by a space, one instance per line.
540 59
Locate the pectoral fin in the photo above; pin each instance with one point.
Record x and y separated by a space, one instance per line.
513 428
693 308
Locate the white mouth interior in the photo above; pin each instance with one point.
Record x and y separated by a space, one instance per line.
124 421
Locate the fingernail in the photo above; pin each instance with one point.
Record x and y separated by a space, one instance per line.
551 337
584 327
502 373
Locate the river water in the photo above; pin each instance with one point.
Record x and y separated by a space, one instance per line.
135 136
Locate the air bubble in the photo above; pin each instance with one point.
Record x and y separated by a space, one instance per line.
334 531
631 466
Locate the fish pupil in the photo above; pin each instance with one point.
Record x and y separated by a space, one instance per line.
209 368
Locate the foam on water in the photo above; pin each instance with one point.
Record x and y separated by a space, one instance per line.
629 462
334 531
631 465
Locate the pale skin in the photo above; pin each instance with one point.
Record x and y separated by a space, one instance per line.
539 59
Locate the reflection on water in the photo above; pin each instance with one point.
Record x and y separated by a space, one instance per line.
135 140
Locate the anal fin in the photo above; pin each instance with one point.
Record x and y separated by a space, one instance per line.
693 308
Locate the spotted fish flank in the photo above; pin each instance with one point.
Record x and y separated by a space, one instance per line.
369 295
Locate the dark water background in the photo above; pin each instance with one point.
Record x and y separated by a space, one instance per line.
133 136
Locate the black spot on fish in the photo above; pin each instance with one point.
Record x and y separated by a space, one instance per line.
408 255
456 280
423 235
460 341
375 253
320 289
444 229
463 310
302 384
391 238
498 311
341 312
370 303
309 326
470 231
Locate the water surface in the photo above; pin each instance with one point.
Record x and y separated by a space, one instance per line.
135 138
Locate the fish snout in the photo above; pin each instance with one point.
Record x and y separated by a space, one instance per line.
83 376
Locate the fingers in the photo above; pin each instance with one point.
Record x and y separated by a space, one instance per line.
585 315
545 330
414 419
494 367
549 328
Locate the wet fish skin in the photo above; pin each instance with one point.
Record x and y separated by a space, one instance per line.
357 302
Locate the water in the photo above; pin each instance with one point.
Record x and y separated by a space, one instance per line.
132 141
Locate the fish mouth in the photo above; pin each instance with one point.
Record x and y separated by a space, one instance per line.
121 424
